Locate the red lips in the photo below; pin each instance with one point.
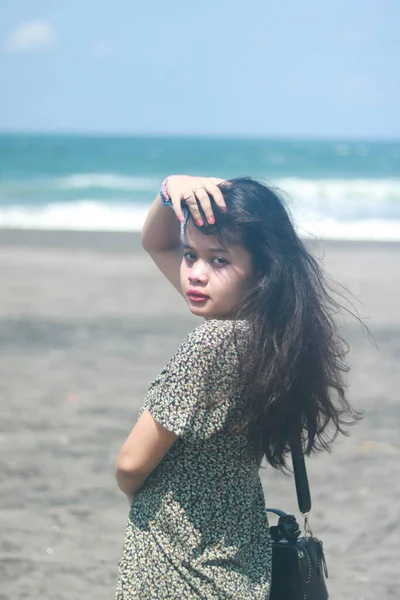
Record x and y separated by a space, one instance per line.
196 294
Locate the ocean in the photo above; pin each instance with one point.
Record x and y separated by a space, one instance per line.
334 189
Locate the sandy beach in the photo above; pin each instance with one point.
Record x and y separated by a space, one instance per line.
86 323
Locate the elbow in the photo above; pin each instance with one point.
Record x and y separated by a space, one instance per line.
125 476
129 477
125 466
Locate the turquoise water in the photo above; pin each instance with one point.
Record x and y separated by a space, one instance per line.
339 189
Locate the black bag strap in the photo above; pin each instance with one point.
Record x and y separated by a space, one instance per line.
301 479
302 488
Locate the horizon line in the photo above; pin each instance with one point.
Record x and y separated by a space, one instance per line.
197 135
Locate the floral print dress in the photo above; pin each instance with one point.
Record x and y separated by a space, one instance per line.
198 528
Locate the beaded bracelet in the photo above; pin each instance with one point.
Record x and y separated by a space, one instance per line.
165 199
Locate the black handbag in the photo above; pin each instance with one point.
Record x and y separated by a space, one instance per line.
298 563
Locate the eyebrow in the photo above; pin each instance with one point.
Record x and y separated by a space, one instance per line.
208 249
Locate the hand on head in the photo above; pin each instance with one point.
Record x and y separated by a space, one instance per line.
195 192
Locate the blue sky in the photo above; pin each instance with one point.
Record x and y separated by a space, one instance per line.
217 67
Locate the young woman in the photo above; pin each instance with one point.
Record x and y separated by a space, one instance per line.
260 370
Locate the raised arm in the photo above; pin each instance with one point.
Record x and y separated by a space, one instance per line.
161 239
161 229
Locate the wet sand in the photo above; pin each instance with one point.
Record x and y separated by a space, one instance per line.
86 322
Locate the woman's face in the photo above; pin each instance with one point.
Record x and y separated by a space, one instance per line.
222 274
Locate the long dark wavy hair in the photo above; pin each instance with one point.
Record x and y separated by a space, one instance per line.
295 370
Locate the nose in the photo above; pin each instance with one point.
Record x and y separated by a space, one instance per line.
198 273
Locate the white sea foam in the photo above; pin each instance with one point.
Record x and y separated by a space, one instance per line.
339 189
92 215
365 230
110 181
360 209
344 198
84 215
336 192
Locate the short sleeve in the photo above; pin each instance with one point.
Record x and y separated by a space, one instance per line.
197 390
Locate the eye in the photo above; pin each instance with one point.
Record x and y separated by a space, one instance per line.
223 261
189 256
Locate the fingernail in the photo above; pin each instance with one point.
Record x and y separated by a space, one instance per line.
199 222
223 208
211 220
180 218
